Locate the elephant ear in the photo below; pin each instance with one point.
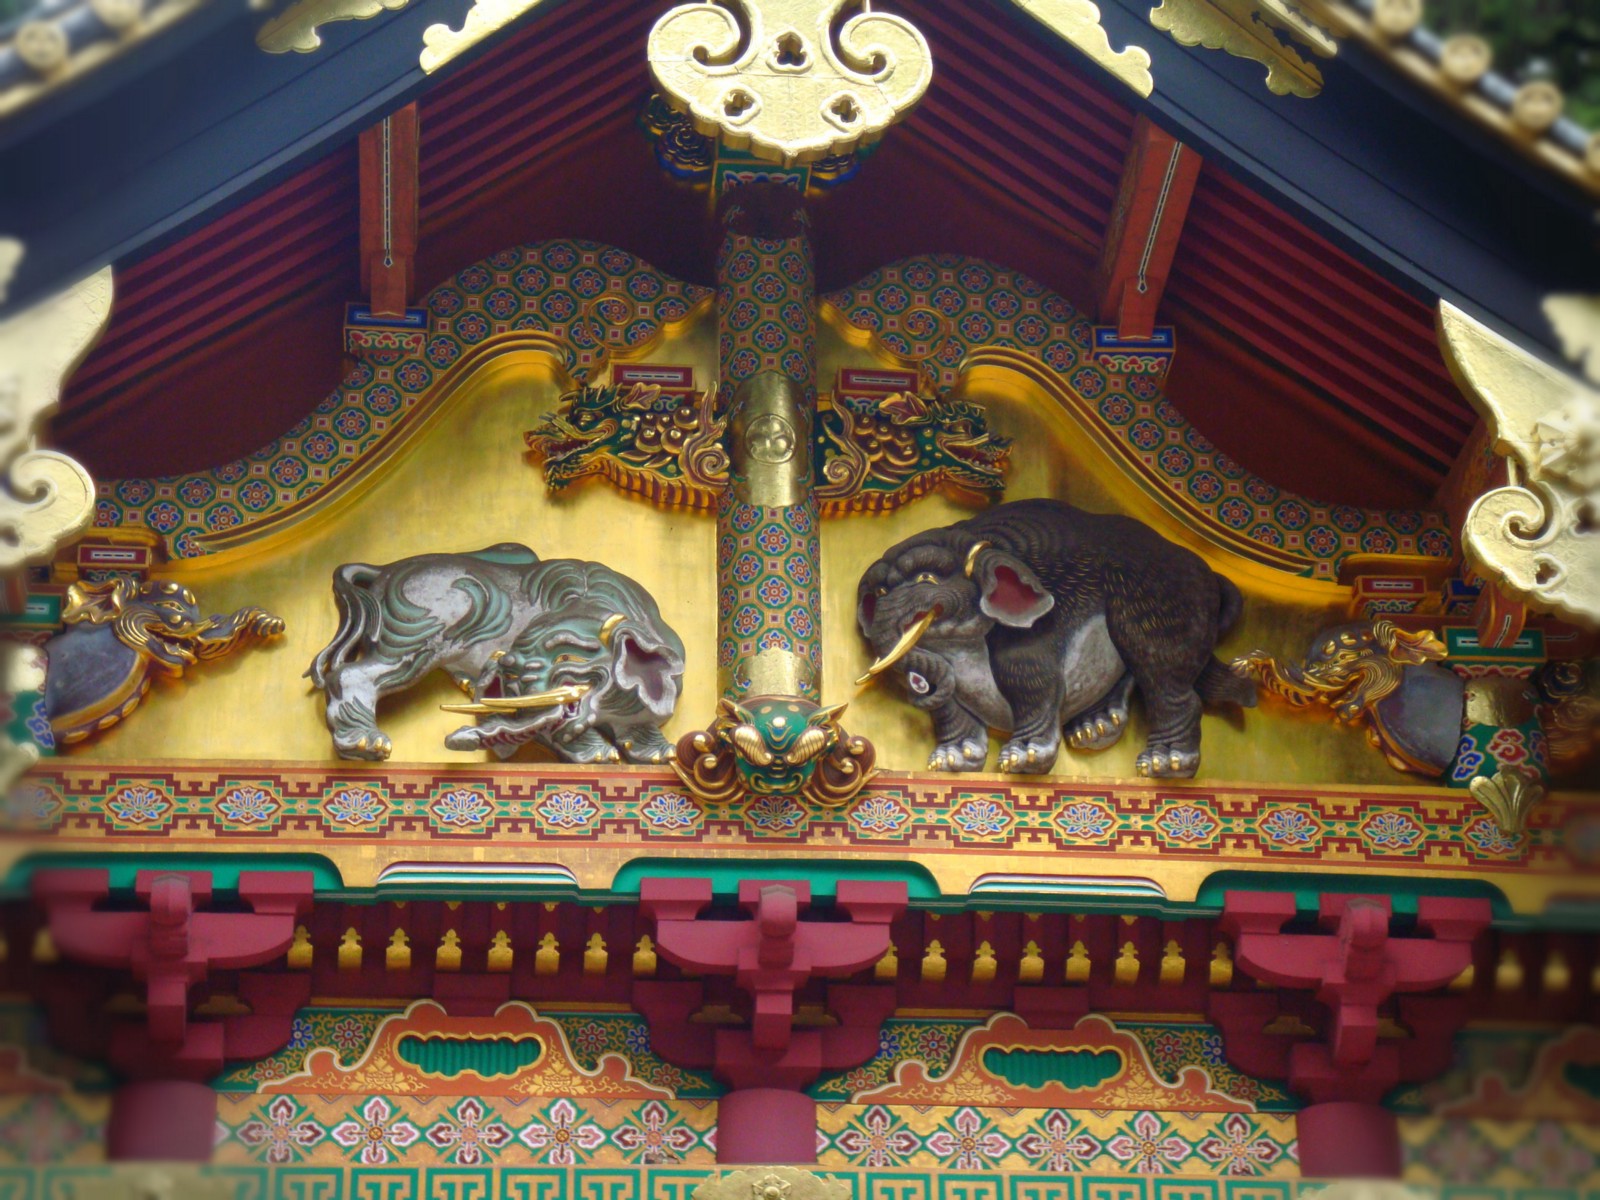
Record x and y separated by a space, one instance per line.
648 668
1008 590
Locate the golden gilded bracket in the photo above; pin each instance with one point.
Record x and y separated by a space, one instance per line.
45 497
1078 21
1537 539
441 44
774 78
1260 30
296 28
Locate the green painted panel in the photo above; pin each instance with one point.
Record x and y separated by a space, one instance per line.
489 1058
1076 1070
1309 887
824 877
224 868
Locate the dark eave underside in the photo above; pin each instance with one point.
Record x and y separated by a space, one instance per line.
227 335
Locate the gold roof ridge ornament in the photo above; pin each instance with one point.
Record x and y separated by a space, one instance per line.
1534 538
771 78
1260 30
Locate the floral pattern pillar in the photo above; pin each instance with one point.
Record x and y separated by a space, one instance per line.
768 561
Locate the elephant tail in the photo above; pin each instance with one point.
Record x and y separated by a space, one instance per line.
358 618
1230 606
1217 684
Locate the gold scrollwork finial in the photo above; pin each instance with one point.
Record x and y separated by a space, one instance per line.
774 78
45 497
1534 539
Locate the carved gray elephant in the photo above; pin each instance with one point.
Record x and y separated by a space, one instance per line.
1036 614
567 654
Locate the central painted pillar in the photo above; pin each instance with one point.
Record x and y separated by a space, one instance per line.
769 600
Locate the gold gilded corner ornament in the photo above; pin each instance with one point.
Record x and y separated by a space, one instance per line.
1259 30
1576 320
441 44
296 27
772 1183
1078 21
45 497
11 252
774 78
1536 540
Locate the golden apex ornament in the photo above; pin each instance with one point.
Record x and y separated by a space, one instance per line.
772 77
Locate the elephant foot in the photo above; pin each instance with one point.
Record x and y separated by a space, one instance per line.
366 744
966 754
468 737
1028 756
1167 762
645 746
587 747
1103 725
1097 730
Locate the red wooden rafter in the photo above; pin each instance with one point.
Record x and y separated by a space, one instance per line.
387 153
1158 182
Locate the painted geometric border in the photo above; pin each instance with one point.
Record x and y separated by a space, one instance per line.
591 821
350 1182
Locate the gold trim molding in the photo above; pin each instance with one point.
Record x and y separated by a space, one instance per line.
1523 119
1536 539
1255 29
772 1183
1078 22
45 497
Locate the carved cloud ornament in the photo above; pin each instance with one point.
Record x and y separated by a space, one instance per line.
796 93
1540 539
45 497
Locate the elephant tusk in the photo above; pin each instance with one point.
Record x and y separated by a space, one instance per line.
500 704
908 639
972 558
608 627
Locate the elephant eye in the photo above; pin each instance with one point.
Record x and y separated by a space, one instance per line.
927 577
567 658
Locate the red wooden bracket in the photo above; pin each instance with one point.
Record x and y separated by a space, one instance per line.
770 957
171 946
1351 969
